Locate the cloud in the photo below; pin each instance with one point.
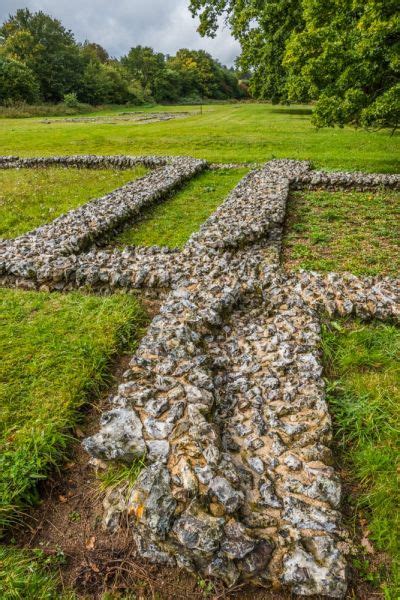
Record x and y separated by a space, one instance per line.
166 25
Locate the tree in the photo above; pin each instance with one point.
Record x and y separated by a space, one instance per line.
144 65
262 27
199 74
47 49
94 52
348 59
17 82
104 83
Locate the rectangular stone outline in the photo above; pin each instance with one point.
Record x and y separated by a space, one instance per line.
74 231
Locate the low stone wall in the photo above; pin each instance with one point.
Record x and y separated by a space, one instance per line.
224 396
226 400
31 255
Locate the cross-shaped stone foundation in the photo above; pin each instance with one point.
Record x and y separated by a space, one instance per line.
224 396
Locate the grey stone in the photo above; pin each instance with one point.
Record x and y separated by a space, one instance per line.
120 436
230 498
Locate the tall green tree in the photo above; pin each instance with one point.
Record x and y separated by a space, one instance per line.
199 74
46 48
145 66
17 82
262 27
95 52
348 59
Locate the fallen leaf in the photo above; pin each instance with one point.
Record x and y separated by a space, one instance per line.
94 567
62 498
367 545
90 543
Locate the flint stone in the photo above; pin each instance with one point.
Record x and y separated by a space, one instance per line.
306 576
256 464
120 436
256 562
151 500
157 450
268 495
157 406
151 552
236 543
224 569
158 429
201 533
230 498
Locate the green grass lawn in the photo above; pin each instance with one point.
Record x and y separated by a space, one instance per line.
224 133
172 222
56 351
362 366
344 231
32 197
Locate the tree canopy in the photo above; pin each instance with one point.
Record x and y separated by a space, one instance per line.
342 54
41 60
43 45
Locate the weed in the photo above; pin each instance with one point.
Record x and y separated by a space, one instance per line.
206 586
120 476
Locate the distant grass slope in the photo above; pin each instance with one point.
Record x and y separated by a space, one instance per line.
344 231
55 352
32 197
362 363
172 222
223 133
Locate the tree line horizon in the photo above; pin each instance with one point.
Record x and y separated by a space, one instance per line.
40 60
342 56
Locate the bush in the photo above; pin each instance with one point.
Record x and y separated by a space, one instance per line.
71 100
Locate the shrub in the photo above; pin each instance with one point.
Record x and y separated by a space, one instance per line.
71 100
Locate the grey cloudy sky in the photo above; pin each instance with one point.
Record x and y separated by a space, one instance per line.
166 25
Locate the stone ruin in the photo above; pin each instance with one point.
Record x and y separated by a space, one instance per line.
224 397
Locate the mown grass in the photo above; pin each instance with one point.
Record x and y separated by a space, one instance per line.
32 197
223 133
344 231
363 370
172 222
56 350
30 575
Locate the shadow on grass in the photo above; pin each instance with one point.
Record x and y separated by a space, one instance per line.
287 110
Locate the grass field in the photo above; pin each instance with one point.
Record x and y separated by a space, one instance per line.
223 133
172 222
363 369
345 231
32 197
57 349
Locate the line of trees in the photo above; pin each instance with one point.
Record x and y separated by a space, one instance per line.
40 60
343 54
